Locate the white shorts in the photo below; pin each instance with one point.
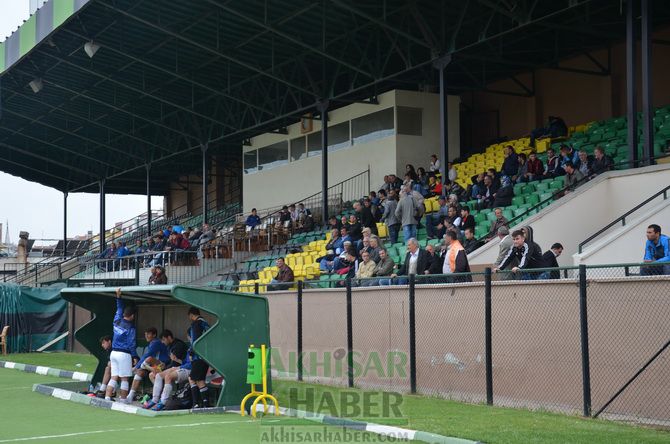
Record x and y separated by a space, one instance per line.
122 364
182 375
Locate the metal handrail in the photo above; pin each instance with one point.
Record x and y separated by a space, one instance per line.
623 217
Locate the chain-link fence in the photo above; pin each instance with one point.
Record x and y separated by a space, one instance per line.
589 340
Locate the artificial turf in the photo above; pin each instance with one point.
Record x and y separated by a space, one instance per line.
29 414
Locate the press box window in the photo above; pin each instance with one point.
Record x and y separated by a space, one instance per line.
250 162
373 126
273 156
409 121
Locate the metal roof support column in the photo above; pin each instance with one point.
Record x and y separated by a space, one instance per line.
631 83
322 107
64 224
441 64
148 199
647 101
204 147
102 216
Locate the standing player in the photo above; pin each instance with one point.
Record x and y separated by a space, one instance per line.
124 348
155 359
199 367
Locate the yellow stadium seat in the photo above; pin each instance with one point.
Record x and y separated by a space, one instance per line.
382 230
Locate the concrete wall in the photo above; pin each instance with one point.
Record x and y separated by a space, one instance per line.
536 352
575 217
625 244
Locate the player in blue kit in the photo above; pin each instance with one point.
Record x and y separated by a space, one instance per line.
124 348
155 359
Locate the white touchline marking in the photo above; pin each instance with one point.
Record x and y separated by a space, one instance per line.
95 432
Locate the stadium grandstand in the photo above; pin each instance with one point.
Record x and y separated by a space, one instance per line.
449 179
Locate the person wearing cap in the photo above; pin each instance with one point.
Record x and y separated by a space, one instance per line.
253 220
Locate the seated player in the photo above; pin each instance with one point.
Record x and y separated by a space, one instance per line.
155 359
106 344
164 380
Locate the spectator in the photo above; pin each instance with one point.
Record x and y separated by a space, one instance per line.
504 245
487 196
434 221
421 181
470 244
495 177
555 128
389 216
207 234
656 249
384 267
375 248
434 187
305 219
585 163
549 261
327 262
405 212
453 218
354 228
553 168
434 166
293 211
410 172
374 199
503 197
454 260
467 220
500 221
510 165
452 174
334 223
568 154
572 176
158 276
366 268
527 256
417 261
602 162
522 172
477 189
368 218
535 169
284 217
435 263
284 278
395 182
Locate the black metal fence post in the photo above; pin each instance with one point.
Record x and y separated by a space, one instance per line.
488 336
256 289
137 271
584 328
300 370
350 339
412 334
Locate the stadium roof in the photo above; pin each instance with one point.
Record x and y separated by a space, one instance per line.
168 77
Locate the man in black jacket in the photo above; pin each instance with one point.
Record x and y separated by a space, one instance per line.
417 261
527 252
549 259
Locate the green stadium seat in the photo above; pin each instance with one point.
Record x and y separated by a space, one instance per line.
532 199
518 200
542 187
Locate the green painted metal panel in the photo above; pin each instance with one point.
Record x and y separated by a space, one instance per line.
27 35
63 9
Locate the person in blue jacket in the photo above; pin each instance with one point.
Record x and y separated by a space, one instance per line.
657 249
155 359
199 368
124 348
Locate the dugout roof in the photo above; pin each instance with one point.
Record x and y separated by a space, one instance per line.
169 77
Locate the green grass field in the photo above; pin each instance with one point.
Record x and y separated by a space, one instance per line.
30 415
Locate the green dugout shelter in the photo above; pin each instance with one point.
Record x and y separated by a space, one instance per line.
236 320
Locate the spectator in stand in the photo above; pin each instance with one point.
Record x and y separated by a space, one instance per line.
366 267
534 169
121 252
549 261
375 247
500 221
368 218
158 277
467 220
421 181
602 162
454 260
434 222
395 182
526 254
585 163
488 192
656 249
284 217
411 172
434 187
569 154
284 278
435 263
405 212
354 228
334 223
389 218
495 177
553 168
339 243
453 219
470 243
374 199
434 166
476 191
522 172
452 174
139 248
510 165
504 195
555 128
504 245
572 176
417 261
383 267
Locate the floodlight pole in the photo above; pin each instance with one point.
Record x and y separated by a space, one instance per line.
64 224
322 107
647 101
148 200
204 147
441 64
631 83
101 240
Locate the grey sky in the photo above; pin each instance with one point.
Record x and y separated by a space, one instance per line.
31 207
